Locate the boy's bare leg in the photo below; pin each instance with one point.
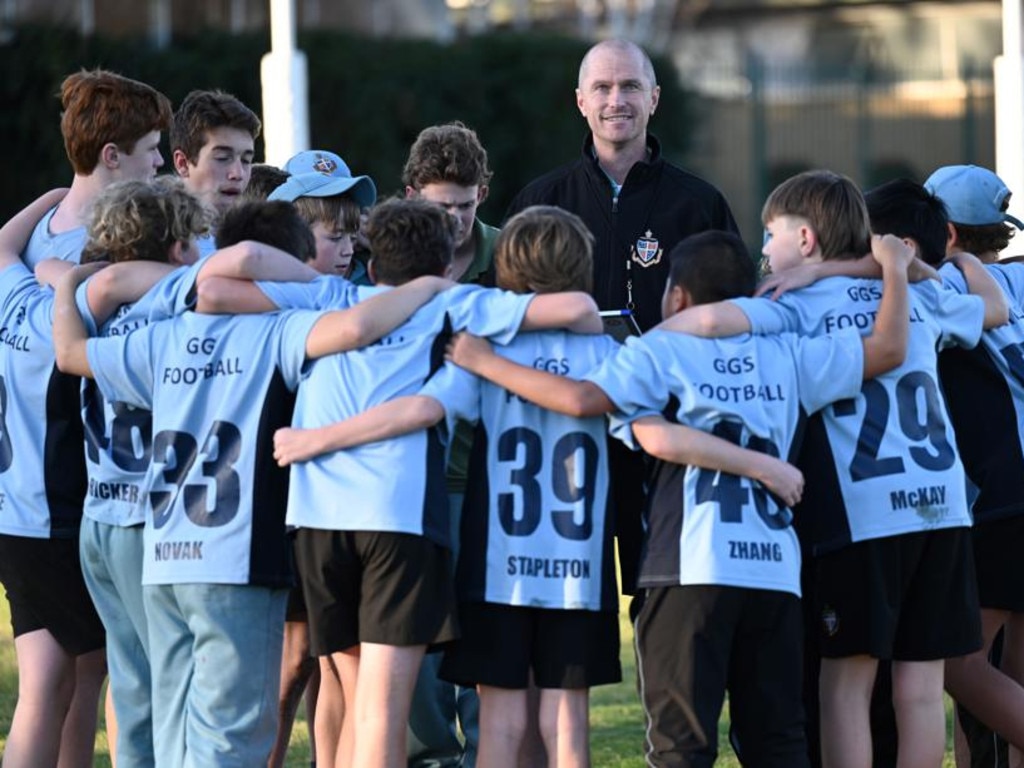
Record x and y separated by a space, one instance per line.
78 737
1012 665
380 715
346 664
46 684
296 668
845 691
920 713
565 726
531 748
330 712
992 695
504 713
110 721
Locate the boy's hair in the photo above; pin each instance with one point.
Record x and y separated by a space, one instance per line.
273 222
906 209
337 211
410 238
544 249
203 111
446 153
833 207
140 221
100 107
712 266
264 179
983 238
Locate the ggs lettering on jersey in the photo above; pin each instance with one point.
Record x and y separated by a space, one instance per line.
742 393
230 366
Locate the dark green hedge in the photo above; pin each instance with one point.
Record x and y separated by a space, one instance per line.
368 98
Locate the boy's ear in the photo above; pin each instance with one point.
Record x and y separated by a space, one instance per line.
175 251
951 235
410 192
110 155
678 299
371 271
181 163
808 240
481 193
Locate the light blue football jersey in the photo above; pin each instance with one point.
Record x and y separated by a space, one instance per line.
708 527
984 390
118 435
323 292
885 462
42 474
218 387
397 485
44 244
536 521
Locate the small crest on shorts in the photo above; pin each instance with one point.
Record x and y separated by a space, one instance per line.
324 165
829 621
646 251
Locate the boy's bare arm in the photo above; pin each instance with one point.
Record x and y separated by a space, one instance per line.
805 274
709 321
556 393
369 320
69 334
251 260
14 235
122 283
50 271
227 296
886 347
686 445
980 283
382 422
571 310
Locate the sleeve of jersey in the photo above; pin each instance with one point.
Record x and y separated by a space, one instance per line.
829 368
325 292
1012 280
953 278
458 392
488 312
15 281
82 302
767 316
123 368
290 331
960 317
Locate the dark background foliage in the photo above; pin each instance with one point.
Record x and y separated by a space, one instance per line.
368 98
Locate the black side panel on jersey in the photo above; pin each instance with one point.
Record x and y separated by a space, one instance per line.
64 454
471 573
663 516
820 518
435 495
981 408
270 551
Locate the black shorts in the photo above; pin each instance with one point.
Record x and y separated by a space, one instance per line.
296 610
997 548
501 644
911 597
46 590
693 644
373 587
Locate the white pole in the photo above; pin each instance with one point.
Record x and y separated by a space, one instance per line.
1009 82
283 73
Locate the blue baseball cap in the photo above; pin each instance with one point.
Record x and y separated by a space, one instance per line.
973 195
317 161
361 188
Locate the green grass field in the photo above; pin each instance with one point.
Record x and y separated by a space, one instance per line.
616 720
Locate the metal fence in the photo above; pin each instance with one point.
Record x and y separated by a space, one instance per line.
754 130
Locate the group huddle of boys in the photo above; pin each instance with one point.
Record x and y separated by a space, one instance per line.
367 383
